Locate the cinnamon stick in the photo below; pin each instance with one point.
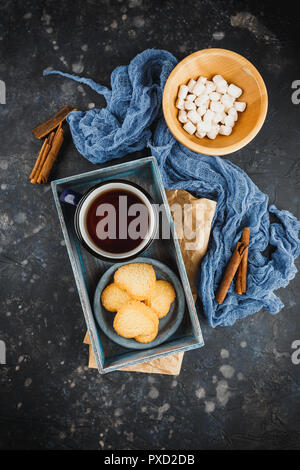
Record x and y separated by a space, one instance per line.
230 271
56 145
241 278
41 159
44 129
40 156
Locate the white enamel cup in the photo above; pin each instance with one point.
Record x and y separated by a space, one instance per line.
85 203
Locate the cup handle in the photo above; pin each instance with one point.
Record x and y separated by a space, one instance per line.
70 197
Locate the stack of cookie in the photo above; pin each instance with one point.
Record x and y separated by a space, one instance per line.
139 300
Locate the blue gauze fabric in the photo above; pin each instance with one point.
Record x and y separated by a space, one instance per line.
133 120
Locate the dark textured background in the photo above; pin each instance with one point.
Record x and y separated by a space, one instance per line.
48 397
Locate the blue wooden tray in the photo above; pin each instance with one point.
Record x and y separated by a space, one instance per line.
87 269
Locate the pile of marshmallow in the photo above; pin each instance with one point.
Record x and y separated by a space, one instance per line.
209 107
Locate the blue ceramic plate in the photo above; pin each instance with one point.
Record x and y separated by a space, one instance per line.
167 325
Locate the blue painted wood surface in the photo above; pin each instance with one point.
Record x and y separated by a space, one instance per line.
87 269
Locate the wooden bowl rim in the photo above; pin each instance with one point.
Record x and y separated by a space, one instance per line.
216 151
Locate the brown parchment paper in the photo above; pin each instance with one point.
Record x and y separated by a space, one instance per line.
193 231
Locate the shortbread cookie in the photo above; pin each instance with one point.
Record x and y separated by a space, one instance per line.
160 298
113 297
134 318
149 338
136 278
146 338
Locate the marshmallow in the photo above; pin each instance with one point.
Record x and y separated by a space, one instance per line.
182 116
221 84
201 109
229 121
180 103
188 105
202 99
189 127
233 112
228 101
203 126
208 116
183 91
240 106
200 135
193 116
218 117
214 96
225 130
191 85
234 91
202 80
218 79
210 86
212 134
198 89
191 97
217 107
221 87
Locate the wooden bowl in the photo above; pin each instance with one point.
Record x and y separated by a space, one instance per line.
235 69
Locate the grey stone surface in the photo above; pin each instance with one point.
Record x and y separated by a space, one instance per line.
241 390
